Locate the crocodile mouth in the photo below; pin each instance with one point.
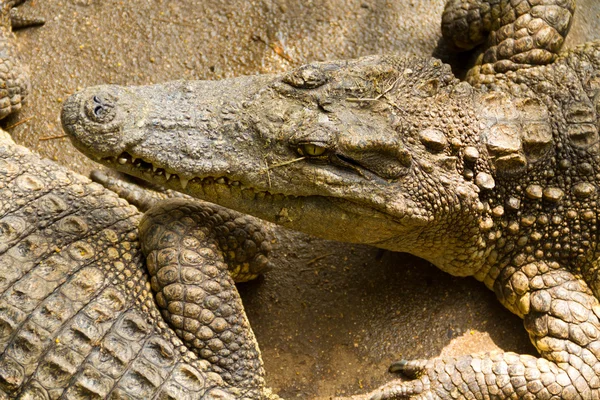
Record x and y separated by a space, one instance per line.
141 168
226 191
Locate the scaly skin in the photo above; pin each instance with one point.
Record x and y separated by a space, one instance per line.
77 314
14 78
218 246
497 181
240 233
517 33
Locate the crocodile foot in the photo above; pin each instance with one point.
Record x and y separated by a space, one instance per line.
14 77
490 375
563 322
196 251
511 35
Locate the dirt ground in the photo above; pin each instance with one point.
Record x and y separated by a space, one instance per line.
332 316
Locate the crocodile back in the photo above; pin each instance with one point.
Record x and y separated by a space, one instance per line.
546 170
77 317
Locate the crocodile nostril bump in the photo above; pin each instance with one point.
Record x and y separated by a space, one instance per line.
100 108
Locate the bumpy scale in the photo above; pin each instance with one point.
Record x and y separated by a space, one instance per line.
194 253
497 179
14 78
517 33
77 314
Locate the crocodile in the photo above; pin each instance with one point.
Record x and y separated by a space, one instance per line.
495 177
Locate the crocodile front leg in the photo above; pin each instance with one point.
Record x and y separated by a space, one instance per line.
14 77
515 34
186 244
562 317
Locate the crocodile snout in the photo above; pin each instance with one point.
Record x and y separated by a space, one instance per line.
97 118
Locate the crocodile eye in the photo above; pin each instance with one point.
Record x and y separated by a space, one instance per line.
311 150
306 77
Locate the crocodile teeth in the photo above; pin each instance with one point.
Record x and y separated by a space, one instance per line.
145 167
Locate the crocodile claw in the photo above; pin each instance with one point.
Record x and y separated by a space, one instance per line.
18 21
408 368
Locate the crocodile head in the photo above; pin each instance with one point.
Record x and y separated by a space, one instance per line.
367 151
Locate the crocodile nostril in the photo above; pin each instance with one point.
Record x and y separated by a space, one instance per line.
101 108
99 111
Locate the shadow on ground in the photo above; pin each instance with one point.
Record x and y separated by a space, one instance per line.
332 316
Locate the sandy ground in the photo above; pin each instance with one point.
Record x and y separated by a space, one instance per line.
332 316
